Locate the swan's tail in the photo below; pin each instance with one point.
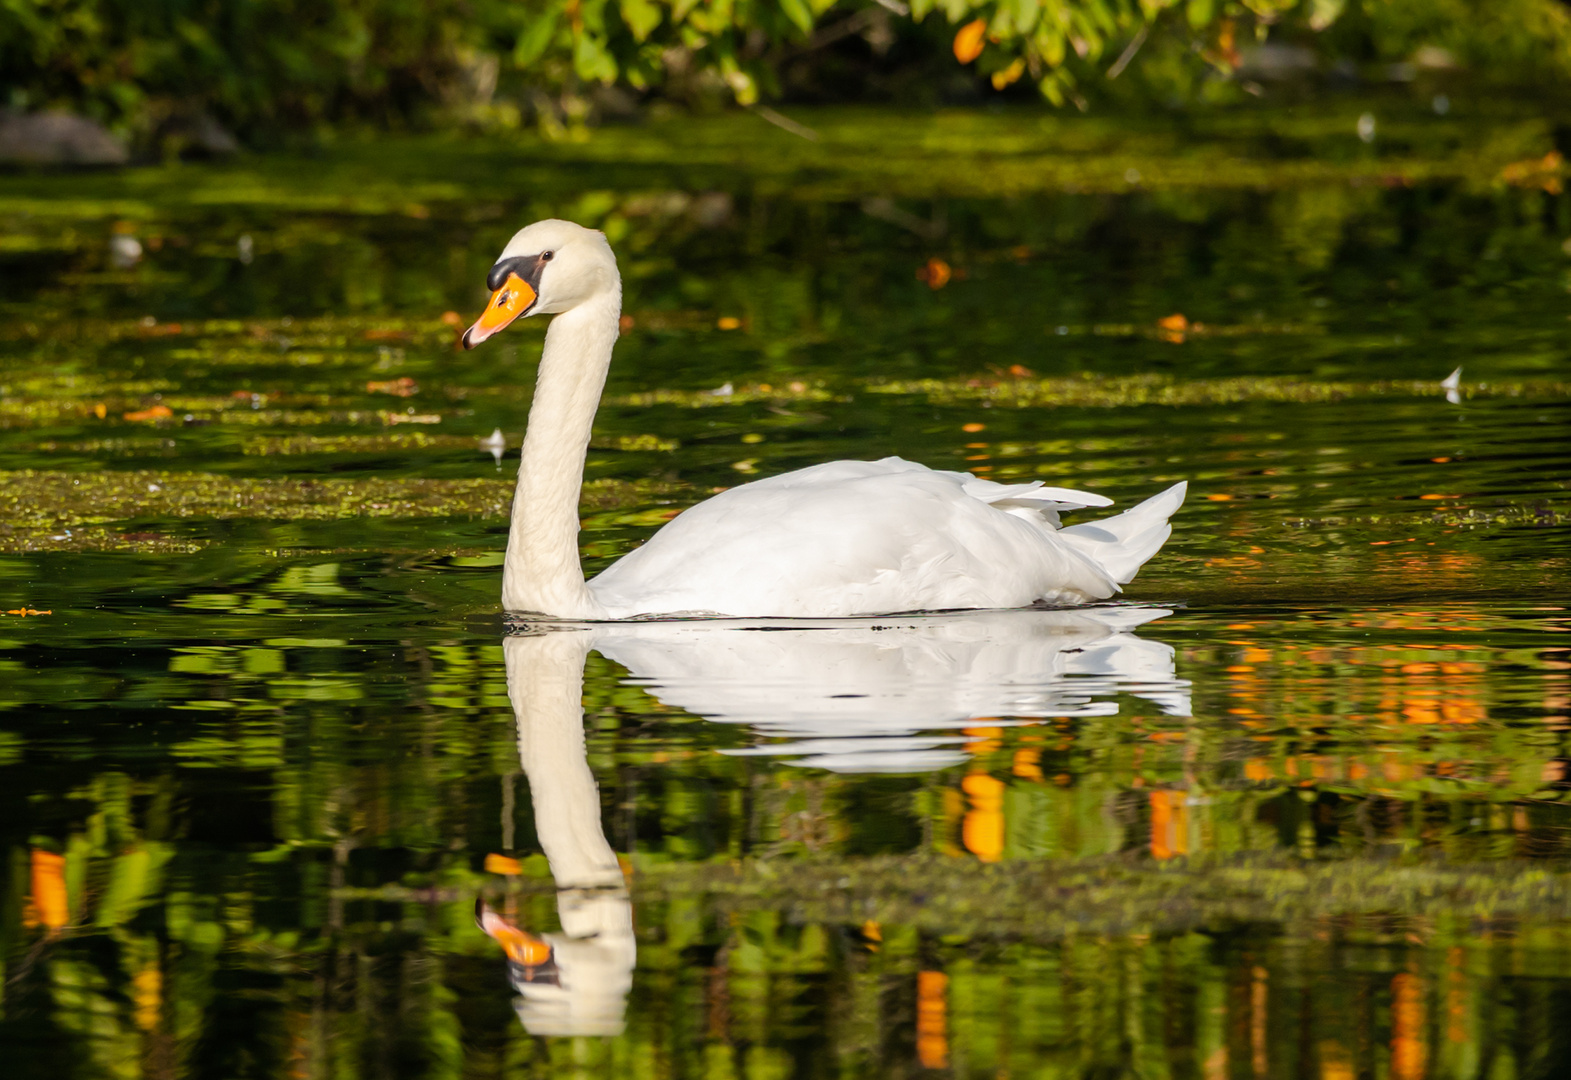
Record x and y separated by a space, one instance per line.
1122 543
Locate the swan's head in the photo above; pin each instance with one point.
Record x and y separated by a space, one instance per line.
547 268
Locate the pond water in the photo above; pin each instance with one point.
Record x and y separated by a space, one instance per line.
284 795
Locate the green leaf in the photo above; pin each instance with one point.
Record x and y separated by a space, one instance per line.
956 10
1200 12
1322 13
592 16
591 61
1052 90
641 16
1024 13
535 39
799 14
1049 43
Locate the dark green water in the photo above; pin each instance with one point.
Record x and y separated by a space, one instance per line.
1296 807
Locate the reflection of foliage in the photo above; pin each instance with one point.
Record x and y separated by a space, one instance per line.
330 919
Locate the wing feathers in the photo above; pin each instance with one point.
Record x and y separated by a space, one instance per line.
860 537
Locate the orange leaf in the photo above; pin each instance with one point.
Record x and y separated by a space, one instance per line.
936 272
968 42
1010 74
401 387
157 412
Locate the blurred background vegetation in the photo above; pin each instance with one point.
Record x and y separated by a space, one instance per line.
163 72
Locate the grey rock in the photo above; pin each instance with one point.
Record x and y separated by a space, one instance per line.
57 138
195 134
1271 62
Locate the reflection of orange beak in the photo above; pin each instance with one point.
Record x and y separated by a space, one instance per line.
520 947
513 299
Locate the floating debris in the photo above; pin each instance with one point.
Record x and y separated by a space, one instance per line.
1450 384
495 445
125 250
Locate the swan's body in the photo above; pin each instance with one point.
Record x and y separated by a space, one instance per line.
841 539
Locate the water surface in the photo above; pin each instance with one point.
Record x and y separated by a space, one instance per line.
1293 805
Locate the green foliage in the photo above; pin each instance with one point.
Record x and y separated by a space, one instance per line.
266 66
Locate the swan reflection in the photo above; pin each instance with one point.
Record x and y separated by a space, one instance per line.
862 695
574 982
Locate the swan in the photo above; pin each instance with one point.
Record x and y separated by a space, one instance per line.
841 539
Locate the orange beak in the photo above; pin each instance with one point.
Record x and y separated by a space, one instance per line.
513 299
520 946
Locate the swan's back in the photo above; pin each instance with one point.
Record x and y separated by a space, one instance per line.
866 537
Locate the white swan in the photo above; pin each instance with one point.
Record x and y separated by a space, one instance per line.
841 539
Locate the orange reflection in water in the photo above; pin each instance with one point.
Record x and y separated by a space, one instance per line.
51 903
1169 824
932 1019
1408 1050
983 829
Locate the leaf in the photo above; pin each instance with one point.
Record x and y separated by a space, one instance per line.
1322 13
1010 74
591 61
592 16
799 14
969 41
1024 14
535 39
1052 89
641 16
1050 45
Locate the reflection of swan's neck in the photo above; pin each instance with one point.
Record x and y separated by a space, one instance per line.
595 953
545 679
542 572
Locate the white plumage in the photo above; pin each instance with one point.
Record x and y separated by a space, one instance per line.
870 537
841 539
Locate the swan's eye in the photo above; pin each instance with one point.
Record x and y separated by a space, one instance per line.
546 256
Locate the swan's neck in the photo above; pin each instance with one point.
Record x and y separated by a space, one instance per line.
542 573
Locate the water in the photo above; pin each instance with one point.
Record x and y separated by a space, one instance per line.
1294 805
